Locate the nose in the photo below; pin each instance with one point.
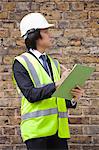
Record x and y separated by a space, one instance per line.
49 34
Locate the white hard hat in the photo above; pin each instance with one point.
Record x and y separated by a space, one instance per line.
33 21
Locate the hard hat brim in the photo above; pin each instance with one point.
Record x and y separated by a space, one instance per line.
47 26
50 25
43 27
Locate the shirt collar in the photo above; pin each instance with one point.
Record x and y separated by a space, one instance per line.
37 53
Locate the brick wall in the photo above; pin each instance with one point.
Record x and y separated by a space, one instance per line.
76 41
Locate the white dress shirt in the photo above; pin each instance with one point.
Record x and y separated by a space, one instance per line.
38 54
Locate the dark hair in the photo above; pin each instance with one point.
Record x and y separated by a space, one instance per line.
32 37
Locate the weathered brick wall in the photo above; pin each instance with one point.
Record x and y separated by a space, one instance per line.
76 41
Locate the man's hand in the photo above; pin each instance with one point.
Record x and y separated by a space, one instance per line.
77 92
63 76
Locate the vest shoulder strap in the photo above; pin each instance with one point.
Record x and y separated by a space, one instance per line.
57 64
21 59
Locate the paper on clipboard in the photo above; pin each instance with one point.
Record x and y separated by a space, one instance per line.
77 76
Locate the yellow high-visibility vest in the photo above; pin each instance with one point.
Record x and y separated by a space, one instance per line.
42 118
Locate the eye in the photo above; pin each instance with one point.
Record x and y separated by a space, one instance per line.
46 31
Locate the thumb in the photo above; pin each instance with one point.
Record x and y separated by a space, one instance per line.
62 66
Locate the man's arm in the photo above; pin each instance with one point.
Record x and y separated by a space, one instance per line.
27 87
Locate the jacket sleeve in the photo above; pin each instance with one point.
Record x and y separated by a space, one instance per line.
26 86
69 104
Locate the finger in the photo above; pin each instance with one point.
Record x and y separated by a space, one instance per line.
76 93
63 67
76 96
69 70
78 87
76 90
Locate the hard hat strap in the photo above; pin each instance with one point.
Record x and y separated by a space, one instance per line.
28 32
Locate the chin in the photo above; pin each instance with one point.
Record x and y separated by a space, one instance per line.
49 46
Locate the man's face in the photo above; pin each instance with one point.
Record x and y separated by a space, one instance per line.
46 41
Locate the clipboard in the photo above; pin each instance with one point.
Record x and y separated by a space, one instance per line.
77 76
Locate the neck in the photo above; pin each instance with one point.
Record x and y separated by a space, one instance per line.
41 49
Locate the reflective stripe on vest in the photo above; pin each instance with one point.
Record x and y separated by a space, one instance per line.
56 63
32 71
41 113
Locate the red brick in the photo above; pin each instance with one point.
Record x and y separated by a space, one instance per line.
21 147
79 120
9 130
91 147
75 15
94 14
4 33
94 5
63 6
10 6
6 147
91 130
77 6
55 14
81 139
4 140
3 15
75 147
75 130
8 59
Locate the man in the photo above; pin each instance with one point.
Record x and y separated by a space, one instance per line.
44 123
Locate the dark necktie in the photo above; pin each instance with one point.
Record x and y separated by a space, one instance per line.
43 57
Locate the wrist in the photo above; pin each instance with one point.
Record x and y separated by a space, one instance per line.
73 101
57 84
